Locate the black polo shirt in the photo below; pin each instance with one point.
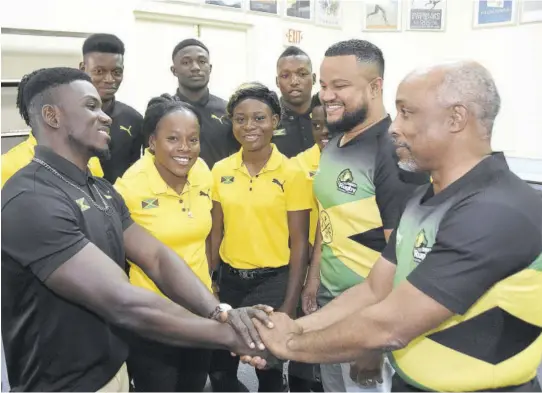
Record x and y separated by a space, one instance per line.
475 248
52 344
126 140
216 134
294 134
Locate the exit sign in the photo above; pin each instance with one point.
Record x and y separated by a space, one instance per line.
293 37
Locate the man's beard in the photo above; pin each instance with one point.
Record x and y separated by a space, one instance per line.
349 121
406 162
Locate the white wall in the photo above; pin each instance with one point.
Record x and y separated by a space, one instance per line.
513 54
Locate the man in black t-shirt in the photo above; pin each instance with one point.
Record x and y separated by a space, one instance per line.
65 241
455 297
103 61
192 67
295 80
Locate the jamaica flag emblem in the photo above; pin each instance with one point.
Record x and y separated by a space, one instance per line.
227 179
149 203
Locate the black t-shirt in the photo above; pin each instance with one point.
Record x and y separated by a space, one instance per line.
52 344
475 248
216 133
294 134
126 140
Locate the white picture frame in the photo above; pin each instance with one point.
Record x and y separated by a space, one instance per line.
328 13
298 10
382 15
494 13
426 15
530 11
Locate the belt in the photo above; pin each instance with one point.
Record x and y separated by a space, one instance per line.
251 274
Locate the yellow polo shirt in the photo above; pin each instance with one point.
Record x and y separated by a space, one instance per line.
308 161
182 222
20 156
255 209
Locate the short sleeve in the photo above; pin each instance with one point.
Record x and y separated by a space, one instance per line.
389 253
41 232
477 245
121 193
393 185
298 190
215 195
138 142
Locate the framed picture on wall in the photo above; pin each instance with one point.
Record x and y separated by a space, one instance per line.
226 3
426 15
491 13
301 9
328 12
381 15
531 11
267 6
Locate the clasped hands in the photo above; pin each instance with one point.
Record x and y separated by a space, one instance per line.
264 334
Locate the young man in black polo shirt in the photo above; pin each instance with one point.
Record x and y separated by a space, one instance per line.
455 299
192 67
295 80
103 61
66 239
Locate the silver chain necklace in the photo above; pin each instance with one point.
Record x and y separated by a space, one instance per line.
105 208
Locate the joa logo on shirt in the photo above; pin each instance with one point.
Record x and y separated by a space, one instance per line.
420 247
150 203
227 179
345 182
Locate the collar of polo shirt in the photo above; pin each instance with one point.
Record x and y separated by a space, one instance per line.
272 164
63 166
159 186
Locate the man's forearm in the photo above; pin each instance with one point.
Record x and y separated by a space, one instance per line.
348 303
346 340
178 282
157 318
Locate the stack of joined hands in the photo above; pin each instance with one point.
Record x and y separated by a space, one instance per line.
264 337
263 334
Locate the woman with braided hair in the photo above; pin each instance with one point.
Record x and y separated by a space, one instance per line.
260 224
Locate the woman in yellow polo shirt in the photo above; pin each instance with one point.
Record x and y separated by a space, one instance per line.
262 210
168 192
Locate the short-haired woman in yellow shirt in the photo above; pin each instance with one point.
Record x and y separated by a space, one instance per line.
262 210
168 192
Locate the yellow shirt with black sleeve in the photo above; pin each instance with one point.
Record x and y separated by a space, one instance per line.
308 161
182 222
255 209
20 156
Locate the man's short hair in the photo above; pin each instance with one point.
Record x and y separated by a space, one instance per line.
293 51
34 87
364 51
103 43
188 42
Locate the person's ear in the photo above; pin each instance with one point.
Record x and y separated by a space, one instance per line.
458 118
51 116
152 143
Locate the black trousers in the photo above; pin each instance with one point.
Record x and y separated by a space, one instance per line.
242 292
155 367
